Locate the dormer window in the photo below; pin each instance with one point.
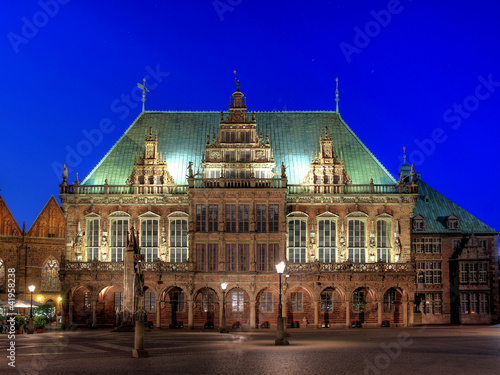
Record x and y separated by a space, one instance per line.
452 222
418 223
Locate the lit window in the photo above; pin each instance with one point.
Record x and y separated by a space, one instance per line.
326 302
383 241
119 232
266 302
296 301
149 239
357 238
238 302
178 240
92 240
50 275
327 241
297 241
149 301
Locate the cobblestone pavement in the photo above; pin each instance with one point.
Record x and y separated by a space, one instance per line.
419 350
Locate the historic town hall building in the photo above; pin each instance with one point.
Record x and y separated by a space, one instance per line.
223 197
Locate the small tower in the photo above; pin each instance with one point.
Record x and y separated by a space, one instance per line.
150 169
237 151
326 169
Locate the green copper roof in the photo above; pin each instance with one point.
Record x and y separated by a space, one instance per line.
436 208
293 137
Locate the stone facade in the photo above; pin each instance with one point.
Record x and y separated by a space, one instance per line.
355 252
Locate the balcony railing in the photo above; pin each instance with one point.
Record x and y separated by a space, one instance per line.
353 189
293 268
316 267
238 183
123 189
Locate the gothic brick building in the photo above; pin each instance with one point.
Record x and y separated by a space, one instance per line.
223 197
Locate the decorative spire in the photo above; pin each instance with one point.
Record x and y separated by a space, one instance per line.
337 95
404 155
144 89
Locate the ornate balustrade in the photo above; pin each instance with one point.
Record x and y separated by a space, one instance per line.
94 266
236 183
352 189
158 266
123 189
293 268
316 267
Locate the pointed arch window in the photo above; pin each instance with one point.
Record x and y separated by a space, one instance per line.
50 275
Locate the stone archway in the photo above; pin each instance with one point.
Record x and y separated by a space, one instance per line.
207 308
174 307
331 307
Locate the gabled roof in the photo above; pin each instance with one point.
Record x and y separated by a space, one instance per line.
8 225
293 137
50 221
437 209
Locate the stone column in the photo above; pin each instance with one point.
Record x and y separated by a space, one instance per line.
316 314
380 307
348 313
94 313
410 313
70 313
405 314
158 313
252 315
190 314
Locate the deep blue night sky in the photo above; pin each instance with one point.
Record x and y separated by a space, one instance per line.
420 74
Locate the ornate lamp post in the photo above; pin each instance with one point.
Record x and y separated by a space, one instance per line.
280 339
223 320
31 288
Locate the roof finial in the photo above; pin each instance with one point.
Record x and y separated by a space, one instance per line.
144 89
237 81
337 95
404 155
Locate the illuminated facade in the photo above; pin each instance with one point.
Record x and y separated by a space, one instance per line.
223 197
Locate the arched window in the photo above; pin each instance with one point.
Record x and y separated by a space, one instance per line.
50 275
2 276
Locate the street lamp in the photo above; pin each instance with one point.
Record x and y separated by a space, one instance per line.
31 288
223 320
280 339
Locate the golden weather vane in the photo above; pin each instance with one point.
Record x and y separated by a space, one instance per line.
144 89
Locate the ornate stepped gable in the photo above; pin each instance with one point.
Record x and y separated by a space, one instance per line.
325 168
237 151
151 169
